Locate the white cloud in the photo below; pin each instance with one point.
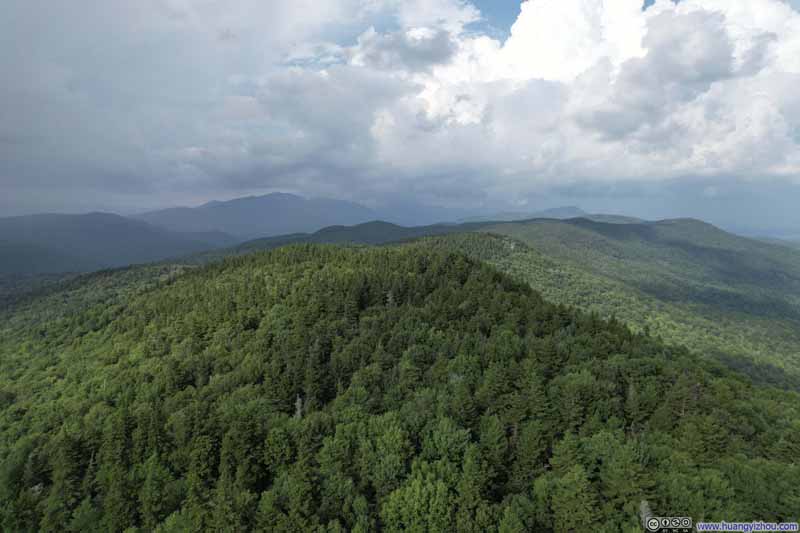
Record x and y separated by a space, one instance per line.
687 90
558 40
413 50
367 98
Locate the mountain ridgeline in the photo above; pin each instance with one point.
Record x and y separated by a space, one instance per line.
320 388
261 216
53 243
730 298
47 244
727 297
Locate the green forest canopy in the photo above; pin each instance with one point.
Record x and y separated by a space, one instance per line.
729 298
331 389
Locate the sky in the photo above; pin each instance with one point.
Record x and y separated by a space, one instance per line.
497 16
687 109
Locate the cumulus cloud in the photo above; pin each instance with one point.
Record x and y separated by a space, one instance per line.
365 99
599 91
412 50
560 40
687 54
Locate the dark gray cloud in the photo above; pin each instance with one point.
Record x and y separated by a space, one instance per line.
406 50
117 105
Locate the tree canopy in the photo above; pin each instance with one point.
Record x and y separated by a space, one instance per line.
316 388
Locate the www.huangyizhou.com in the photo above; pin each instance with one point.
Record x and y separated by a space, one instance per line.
747 526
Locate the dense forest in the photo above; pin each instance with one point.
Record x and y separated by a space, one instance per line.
317 388
17 287
726 297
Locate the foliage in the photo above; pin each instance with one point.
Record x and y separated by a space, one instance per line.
17 287
727 297
329 389
734 299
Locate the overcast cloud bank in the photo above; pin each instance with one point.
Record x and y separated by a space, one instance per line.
163 102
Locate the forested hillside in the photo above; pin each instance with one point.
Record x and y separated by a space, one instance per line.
52 244
724 296
14 287
689 282
330 389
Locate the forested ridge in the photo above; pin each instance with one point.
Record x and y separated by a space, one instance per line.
316 388
729 298
766 348
16 288
54 244
725 296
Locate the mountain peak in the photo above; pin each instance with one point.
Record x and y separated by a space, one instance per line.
252 217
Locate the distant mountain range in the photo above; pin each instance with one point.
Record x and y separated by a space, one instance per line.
280 214
558 213
261 216
38 244
791 243
730 297
56 243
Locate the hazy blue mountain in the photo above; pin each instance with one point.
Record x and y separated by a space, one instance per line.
790 243
26 258
77 243
261 216
217 239
558 213
765 232
614 219
561 213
